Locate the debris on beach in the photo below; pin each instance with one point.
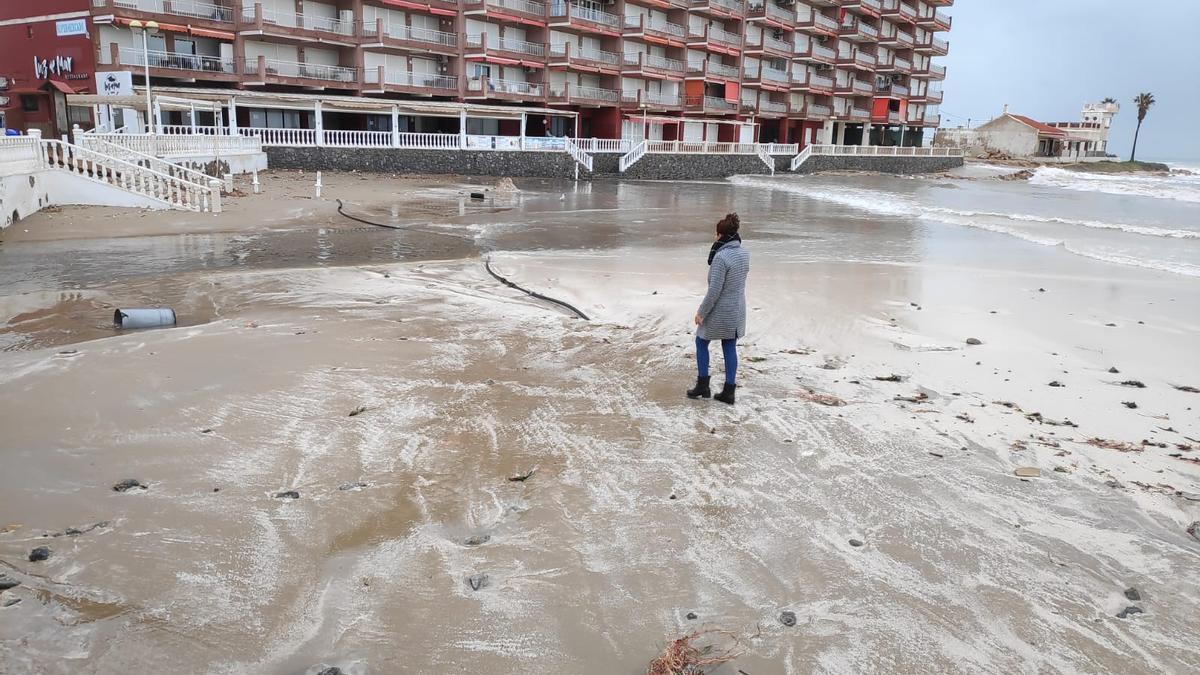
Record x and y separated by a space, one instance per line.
130 484
331 670
920 397
856 543
788 618
358 411
965 417
1037 417
1133 383
832 363
505 186
1194 530
802 351
1129 611
1188 389
684 657
1023 174
756 359
6 583
1129 404
287 494
889 378
1056 383
1113 370
974 341
39 554
521 478
356 485
1009 404
478 581
823 399
1132 594
76 531
1028 472
1107 444
477 540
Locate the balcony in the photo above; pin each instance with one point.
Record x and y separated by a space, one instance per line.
508 90
933 46
568 93
856 59
766 11
892 90
854 114
274 71
720 9
642 25
257 20
717 39
767 78
902 65
929 97
710 104
853 87
171 64
381 80
772 108
808 49
934 20
865 7
817 111
886 117
895 38
899 11
217 13
573 16
382 34
931 72
529 12
570 55
649 65
816 23
711 70
856 30
650 100
485 45
770 46
816 83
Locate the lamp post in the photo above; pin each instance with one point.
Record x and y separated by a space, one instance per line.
146 29
645 122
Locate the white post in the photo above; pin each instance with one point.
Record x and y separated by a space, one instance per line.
866 137
193 117
318 185
841 134
75 132
233 127
395 126
256 184
522 141
462 129
903 128
158 115
215 186
228 181
146 60
320 129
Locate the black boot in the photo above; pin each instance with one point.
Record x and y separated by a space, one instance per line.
726 395
701 389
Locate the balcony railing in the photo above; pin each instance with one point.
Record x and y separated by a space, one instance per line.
573 53
490 86
710 103
719 69
486 41
860 87
817 110
313 71
731 6
932 16
854 26
774 75
402 78
865 60
177 61
767 8
903 65
570 92
398 31
559 8
723 36
772 107
816 81
196 9
815 19
323 24
654 61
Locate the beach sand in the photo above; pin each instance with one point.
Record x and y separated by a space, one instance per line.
640 508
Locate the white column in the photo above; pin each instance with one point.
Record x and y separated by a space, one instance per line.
319 124
192 119
841 134
825 137
523 117
157 117
462 129
866 137
395 126
233 127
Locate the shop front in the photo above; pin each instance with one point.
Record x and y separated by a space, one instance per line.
42 60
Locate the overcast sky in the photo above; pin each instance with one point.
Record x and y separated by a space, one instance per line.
1045 58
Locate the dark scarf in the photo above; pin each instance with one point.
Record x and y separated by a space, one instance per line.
725 239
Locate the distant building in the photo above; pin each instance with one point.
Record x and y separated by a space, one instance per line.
1022 137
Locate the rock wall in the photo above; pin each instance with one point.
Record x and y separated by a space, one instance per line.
901 165
464 162
685 167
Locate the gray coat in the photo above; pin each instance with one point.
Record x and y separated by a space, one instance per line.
723 310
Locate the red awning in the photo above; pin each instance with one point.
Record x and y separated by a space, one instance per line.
172 27
62 86
443 12
533 64
205 32
405 3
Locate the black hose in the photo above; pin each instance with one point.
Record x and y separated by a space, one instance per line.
487 265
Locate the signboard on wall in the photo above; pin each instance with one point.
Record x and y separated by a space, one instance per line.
71 27
116 83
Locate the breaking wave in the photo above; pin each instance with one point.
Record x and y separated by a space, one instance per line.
1176 186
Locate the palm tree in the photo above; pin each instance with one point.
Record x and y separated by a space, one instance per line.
1143 103
1108 99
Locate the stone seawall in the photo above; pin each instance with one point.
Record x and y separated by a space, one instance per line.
463 162
901 165
688 166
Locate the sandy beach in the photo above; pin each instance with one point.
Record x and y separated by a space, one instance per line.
866 480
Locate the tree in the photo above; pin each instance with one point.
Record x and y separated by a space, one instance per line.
1108 99
1143 103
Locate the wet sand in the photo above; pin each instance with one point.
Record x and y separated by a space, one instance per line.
642 506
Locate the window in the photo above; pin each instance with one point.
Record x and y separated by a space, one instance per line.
479 70
29 103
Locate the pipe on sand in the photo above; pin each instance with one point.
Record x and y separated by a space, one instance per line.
144 318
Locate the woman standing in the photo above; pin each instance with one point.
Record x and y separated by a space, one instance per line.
722 313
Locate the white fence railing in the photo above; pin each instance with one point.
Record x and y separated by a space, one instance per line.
577 153
176 61
884 151
19 154
183 145
270 137
97 143
196 9
766 158
630 158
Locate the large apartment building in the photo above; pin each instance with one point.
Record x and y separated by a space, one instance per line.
832 71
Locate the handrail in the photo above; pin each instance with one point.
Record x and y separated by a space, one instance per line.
801 158
95 143
630 158
577 153
142 181
766 158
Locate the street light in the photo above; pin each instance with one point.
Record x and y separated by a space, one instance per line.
146 29
645 122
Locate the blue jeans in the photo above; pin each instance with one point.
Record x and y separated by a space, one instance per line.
728 348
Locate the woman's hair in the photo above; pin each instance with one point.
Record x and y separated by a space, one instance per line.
728 225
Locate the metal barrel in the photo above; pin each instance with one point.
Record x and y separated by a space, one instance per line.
144 318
